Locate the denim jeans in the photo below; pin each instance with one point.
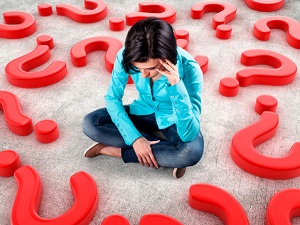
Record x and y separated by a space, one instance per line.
171 151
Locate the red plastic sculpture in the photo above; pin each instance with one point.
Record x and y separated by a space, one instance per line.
9 163
46 131
16 120
17 25
116 24
158 219
45 40
265 103
115 219
284 71
228 87
96 11
80 50
182 34
283 206
246 157
155 9
265 5
217 201
226 12
45 9
223 31
26 205
18 71
182 43
262 29
203 62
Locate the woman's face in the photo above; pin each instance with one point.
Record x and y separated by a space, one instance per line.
149 68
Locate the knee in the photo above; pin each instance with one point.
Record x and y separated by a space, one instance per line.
194 155
194 151
86 124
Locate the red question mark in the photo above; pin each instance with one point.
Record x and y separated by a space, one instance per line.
18 71
292 28
96 11
265 5
246 157
283 206
18 25
217 201
284 71
226 12
30 193
157 9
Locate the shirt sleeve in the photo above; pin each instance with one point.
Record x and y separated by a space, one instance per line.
115 105
186 101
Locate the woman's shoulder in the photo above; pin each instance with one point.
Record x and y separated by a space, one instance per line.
184 55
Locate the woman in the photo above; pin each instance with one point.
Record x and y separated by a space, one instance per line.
161 127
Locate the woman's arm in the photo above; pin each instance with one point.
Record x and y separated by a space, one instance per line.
185 96
115 105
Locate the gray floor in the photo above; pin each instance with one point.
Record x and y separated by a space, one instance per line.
131 190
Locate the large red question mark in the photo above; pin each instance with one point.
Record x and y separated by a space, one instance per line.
283 206
262 29
217 201
157 9
28 198
265 5
18 71
17 25
226 12
96 11
111 45
46 131
244 154
284 71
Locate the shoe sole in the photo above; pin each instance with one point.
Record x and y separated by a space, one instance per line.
84 153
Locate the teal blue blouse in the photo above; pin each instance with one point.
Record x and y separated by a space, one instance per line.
179 104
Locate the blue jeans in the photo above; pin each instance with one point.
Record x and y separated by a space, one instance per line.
171 151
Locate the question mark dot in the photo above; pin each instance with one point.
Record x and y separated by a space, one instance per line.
223 31
265 103
182 34
46 131
116 24
45 9
45 40
115 219
229 87
9 163
182 43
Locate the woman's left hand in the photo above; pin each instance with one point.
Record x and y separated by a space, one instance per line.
170 71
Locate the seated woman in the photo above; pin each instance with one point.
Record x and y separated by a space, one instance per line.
169 83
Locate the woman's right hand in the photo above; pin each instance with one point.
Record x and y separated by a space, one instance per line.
142 148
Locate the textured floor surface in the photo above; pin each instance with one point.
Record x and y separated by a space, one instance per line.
129 189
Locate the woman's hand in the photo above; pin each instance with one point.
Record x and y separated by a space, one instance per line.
144 153
170 71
